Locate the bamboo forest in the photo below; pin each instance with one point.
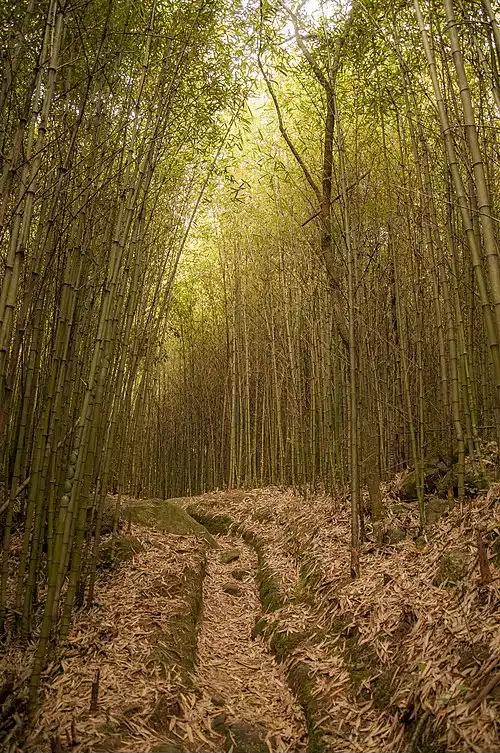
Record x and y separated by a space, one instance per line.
250 376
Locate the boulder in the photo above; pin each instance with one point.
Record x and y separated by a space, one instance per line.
170 517
435 468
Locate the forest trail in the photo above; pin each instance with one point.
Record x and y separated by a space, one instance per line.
167 683
244 693
248 243
263 643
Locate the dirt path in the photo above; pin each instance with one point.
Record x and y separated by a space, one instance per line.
178 669
245 704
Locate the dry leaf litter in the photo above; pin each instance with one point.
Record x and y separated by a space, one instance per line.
398 656
145 705
405 653
242 689
122 637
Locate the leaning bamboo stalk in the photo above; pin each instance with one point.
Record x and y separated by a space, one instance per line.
22 223
491 254
475 252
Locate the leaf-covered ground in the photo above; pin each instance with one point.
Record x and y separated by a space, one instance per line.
405 658
264 643
173 675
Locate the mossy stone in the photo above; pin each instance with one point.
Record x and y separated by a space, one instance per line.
212 522
262 516
402 508
230 556
382 690
452 568
243 737
270 595
169 517
176 644
112 554
394 535
283 644
435 507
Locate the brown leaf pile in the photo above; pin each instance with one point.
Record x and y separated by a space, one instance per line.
236 676
144 703
407 653
119 637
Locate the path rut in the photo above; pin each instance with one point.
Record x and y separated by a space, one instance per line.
244 702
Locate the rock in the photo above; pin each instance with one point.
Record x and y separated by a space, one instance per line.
230 556
262 516
232 588
435 508
170 517
403 508
452 568
434 470
448 485
244 737
111 554
218 700
239 574
393 535
107 518
219 723
408 490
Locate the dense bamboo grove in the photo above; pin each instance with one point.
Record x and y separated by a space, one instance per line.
401 247
112 115
336 316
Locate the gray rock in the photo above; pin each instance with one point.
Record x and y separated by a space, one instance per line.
230 556
239 574
247 738
232 588
393 535
435 507
435 468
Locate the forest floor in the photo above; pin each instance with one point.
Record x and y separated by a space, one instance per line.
263 643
